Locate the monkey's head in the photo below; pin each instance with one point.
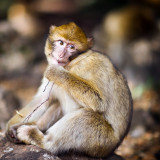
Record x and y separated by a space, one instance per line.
64 42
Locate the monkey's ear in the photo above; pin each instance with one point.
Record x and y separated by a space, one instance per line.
72 24
52 28
90 42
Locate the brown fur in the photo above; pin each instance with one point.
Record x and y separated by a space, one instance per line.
95 104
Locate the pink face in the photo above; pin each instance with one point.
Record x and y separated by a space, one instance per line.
62 50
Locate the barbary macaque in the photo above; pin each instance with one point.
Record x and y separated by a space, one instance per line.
84 103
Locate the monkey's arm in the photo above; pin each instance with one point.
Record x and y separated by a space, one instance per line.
29 114
52 115
83 91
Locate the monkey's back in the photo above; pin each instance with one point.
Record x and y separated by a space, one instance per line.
116 104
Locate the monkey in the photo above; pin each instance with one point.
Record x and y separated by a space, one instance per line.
90 105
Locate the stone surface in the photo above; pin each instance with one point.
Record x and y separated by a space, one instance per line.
11 151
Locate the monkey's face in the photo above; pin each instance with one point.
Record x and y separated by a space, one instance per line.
62 50
65 41
59 51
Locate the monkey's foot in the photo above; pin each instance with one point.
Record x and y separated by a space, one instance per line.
30 134
12 134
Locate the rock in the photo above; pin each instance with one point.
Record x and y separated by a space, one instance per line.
138 131
8 59
8 104
11 151
142 120
23 21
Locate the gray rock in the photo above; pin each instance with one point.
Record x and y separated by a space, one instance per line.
11 151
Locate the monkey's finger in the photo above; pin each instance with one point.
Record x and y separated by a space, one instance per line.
16 140
47 74
11 134
12 137
8 135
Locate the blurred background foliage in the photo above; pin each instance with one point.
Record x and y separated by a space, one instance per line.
128 31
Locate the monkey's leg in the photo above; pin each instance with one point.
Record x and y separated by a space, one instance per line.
31 112
53 113
82 130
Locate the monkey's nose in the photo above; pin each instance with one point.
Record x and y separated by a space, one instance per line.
61 55
63 52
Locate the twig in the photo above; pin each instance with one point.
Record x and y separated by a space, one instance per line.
46 86
27 118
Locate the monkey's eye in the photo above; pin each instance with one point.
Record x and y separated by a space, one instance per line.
60 42
71 46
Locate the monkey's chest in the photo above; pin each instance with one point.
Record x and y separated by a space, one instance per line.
67 103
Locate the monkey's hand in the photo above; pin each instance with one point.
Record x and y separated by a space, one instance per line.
30 134
54 72
11 134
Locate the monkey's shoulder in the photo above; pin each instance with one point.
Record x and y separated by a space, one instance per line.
93 65
91 59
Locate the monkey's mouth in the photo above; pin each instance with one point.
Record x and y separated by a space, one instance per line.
60 62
